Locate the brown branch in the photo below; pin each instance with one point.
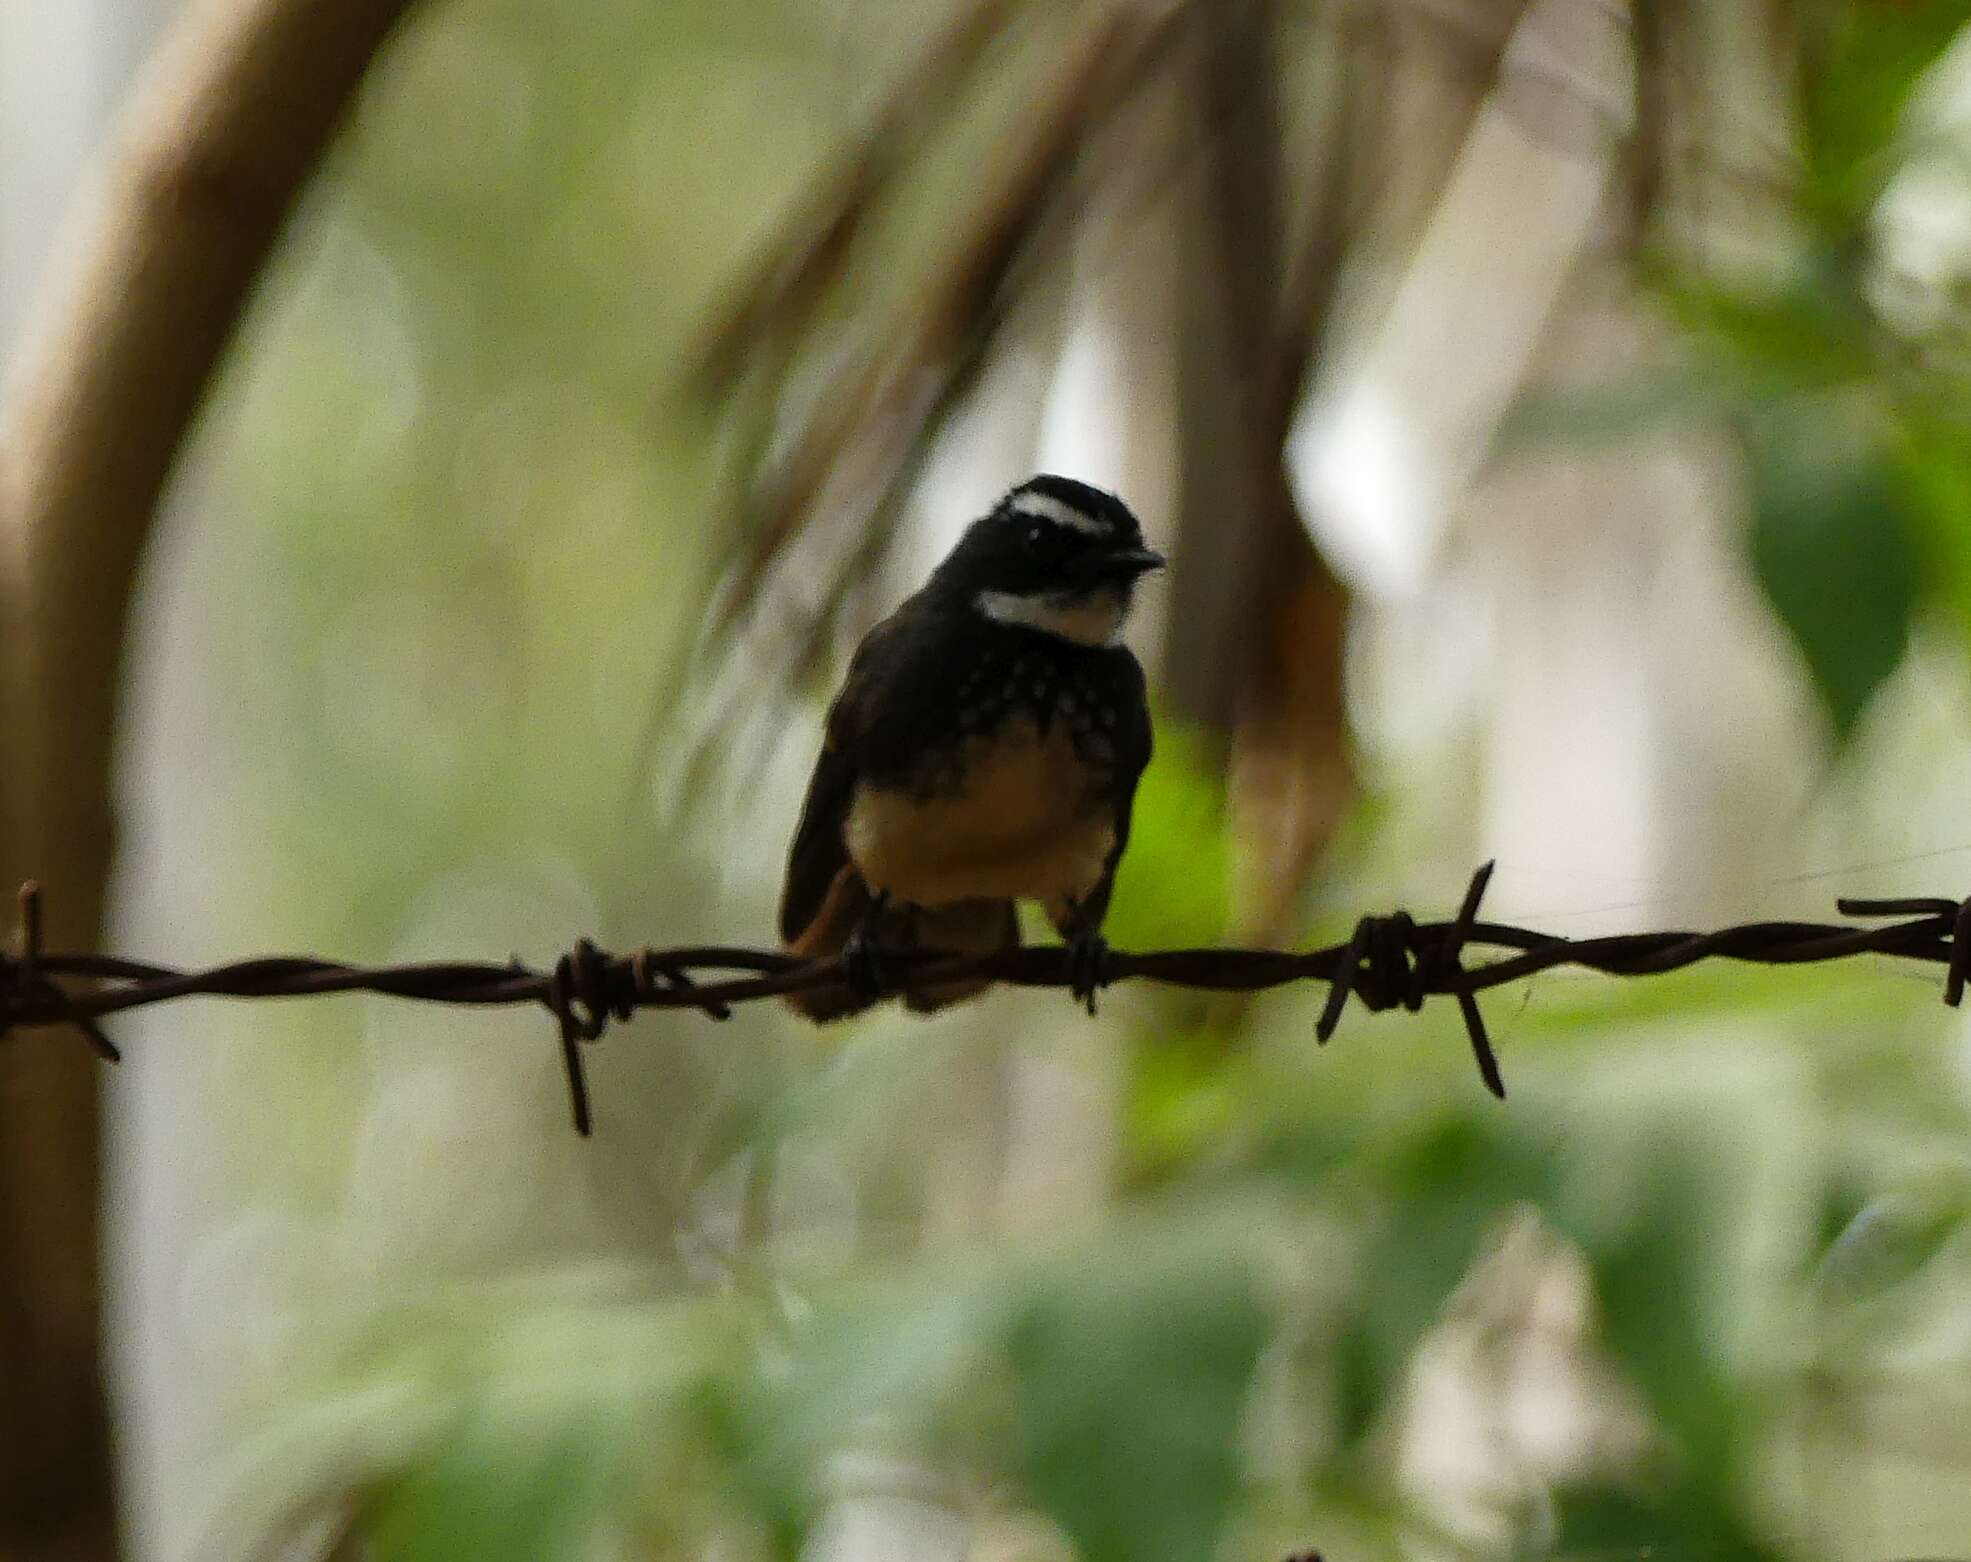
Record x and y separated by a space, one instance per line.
225 128
1254 646
1390 962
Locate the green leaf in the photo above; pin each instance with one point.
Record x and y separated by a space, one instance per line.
1655 1281
1133 1374
495 1498
1451 1185
1810 329
560 1411
1832 546
1174 886
1111 1381
1891 1239
896 1363
1652 1277
1652 1251
1857 93
1602 1522
1187 1091
1936 466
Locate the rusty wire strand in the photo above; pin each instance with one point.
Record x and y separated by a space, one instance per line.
1389 961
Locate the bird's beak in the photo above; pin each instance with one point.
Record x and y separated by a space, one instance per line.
1128 563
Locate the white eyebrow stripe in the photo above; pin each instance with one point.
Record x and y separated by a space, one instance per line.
1044 507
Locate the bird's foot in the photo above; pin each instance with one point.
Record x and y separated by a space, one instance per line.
862 960
1088 961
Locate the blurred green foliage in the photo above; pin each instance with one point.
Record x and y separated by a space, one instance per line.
1174 887
1832 544
1851 416
1863 62
476 548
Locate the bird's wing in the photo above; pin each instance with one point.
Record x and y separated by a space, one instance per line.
819 853
1134 742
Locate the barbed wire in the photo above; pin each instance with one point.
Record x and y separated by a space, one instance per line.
1390 961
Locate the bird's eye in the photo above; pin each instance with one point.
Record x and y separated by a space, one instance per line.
1036 535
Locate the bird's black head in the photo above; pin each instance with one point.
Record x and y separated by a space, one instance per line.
1055 555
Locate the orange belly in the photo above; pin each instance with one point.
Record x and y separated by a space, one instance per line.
1028 823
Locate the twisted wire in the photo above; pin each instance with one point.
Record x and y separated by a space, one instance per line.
1391 961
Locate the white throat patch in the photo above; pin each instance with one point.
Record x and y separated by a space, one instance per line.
1044 507
1086 618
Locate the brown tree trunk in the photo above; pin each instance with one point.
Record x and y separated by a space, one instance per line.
1258 621
225 128
1255 642
1228 495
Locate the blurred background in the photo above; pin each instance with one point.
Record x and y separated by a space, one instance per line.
1556 413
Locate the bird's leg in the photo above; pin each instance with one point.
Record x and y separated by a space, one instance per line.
862 963
909 934
1088 950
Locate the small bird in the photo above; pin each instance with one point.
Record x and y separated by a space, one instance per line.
984 749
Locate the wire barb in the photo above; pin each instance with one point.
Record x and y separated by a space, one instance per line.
1391 960
25 990
1960 955
1388 961
1959 913
1448 970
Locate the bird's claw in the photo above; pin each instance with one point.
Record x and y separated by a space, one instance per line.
862 961
862 967
1088 961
